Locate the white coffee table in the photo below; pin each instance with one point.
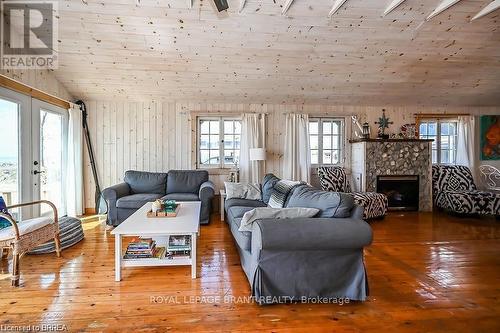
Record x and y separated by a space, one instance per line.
187 222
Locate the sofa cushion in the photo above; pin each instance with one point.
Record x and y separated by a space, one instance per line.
25 227
243 191
243 202
185 181
236 212
242 238
330 204
281 192
267 186
145 182
181 197
136 201
260 213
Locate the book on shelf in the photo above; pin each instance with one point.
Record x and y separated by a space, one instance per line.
158 253
143 248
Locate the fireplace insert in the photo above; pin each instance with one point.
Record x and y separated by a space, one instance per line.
402 191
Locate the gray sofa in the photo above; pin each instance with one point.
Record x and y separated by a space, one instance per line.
304 258
140 187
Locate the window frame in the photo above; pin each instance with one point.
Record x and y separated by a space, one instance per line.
342 141
222 134
438 122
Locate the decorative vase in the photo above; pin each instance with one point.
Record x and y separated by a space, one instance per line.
156 206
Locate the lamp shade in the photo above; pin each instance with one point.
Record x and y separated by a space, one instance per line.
257 154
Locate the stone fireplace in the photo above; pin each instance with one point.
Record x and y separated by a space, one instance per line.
374 159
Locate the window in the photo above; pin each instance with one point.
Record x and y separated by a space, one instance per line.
326 136
218 136
444 134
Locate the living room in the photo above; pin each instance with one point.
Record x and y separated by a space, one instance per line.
218 165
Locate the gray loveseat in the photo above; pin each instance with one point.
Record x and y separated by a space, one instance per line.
140 187
304 258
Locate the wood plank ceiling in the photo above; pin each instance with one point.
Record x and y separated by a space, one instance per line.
141 49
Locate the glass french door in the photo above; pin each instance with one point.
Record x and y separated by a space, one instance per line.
32 153
15 153
49 133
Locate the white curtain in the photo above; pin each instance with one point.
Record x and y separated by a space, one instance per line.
296 159
253 135
466 142
74 172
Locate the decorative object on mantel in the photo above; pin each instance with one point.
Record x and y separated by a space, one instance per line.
359 131
409 131
365 129
398 136
383 123
490 138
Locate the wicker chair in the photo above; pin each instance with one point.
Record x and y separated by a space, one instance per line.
23 236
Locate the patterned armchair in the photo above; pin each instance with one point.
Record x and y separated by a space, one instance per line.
334 179
454 190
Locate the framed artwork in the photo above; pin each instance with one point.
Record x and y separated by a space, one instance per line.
490 138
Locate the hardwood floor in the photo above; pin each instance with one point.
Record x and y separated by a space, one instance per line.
427 272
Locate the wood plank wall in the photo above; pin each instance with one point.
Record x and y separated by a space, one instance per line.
156 135
41 79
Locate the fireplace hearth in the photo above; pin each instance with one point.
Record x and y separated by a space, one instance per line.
402 191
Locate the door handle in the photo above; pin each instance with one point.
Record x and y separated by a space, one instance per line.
35 172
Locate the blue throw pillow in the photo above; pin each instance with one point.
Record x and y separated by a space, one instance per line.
4 223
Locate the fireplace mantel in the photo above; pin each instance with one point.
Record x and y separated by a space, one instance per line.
392 157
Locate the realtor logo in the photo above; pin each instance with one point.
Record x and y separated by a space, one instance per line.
29 34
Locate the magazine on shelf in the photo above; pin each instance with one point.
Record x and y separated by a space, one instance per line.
184 240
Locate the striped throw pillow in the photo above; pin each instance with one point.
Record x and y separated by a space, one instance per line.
281 191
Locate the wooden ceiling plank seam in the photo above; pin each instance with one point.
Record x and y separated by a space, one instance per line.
392 6
444 5
491 7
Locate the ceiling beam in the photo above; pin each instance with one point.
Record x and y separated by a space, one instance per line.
287 5
242 5
336 6
444 5
494 5
392 6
